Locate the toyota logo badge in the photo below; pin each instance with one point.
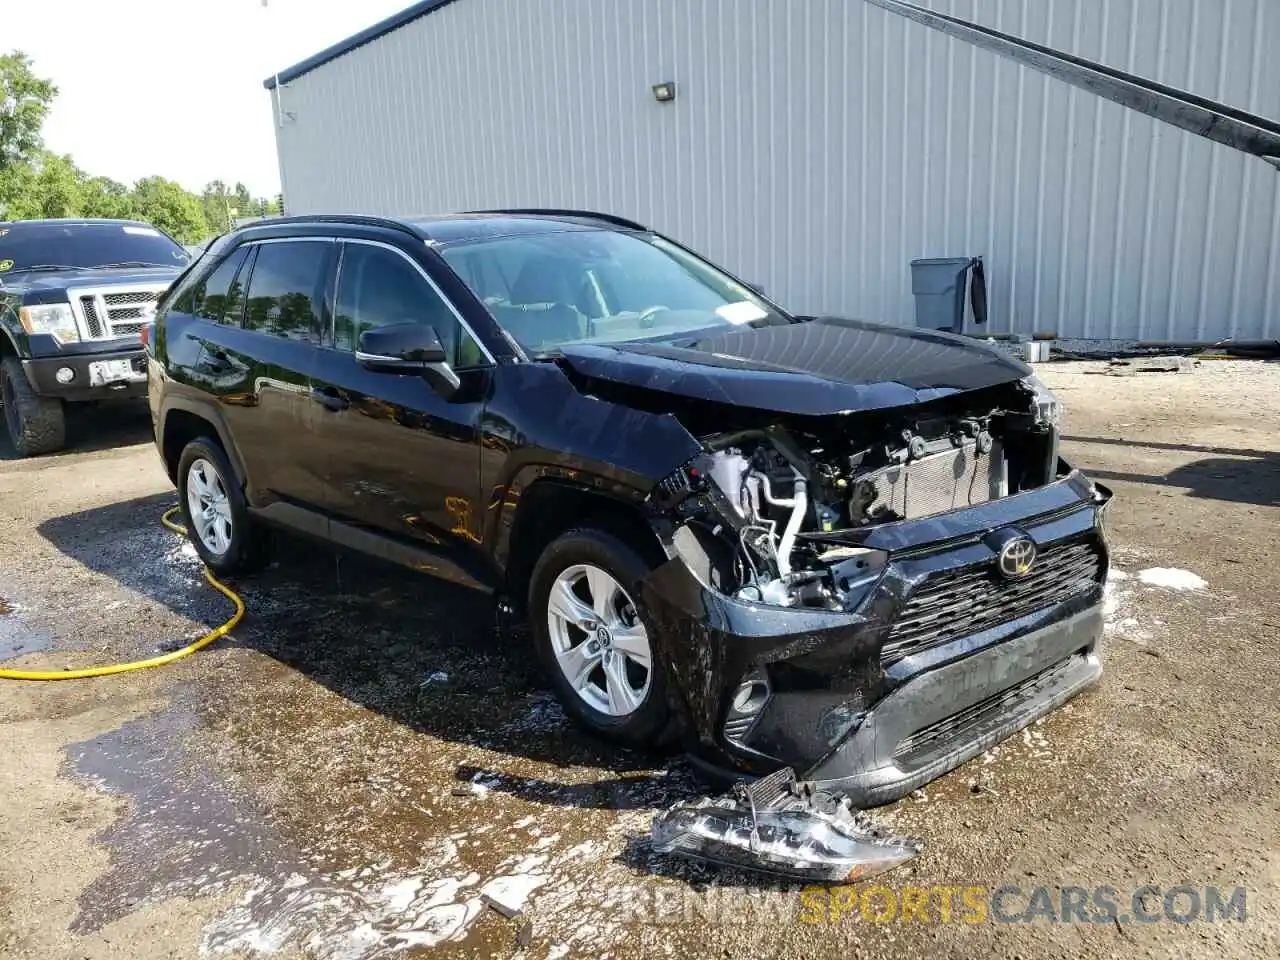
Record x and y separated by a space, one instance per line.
1017 557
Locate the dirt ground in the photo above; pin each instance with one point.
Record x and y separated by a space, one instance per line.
346 776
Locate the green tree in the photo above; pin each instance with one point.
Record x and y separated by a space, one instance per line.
18 197
24 103
243 202
48 187
166 205
104 197
217 202
58 186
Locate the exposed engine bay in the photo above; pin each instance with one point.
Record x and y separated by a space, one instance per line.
776 509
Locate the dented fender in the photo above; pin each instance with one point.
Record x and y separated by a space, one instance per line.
538 425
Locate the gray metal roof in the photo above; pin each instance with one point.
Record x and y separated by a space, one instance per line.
367 35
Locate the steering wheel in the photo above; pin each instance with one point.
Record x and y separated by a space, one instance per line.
648 313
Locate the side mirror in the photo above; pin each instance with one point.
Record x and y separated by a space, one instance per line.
412 348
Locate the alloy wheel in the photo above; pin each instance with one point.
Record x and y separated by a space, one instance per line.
208 506
598 641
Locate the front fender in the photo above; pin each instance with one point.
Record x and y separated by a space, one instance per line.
538 426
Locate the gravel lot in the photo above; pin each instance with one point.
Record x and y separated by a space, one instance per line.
346 776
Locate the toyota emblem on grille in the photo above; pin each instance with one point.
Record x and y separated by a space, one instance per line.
1017 557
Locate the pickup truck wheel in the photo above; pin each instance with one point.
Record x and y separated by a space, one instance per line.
215 510
594 636
36 424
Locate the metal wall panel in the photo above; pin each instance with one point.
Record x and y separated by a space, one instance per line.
817 146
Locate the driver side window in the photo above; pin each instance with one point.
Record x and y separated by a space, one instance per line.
376 287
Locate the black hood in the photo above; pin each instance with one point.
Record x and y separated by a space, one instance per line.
823 366
56 281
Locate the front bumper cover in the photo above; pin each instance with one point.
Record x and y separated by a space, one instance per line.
837 713
42 375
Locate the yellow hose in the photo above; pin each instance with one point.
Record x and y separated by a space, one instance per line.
159 661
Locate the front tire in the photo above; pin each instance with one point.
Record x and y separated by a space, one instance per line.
215 510
594 637
35 424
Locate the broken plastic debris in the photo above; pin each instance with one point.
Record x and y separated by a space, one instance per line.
781 827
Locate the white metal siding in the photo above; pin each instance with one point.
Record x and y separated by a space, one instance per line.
817 146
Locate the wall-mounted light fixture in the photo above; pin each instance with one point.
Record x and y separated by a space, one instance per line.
664 92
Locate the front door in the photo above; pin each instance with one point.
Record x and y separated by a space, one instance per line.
401 459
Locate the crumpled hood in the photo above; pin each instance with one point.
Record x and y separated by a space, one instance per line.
823 366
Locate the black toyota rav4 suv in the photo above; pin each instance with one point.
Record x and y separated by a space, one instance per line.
790 541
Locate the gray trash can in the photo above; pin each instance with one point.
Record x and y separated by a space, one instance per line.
939 286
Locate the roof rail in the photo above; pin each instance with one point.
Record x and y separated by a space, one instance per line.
303 218
586 214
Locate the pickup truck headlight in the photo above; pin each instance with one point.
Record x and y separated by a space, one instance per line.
1046 407
54 318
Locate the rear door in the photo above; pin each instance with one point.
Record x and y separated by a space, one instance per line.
401 459
287 288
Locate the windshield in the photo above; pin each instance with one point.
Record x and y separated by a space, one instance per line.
597 286
41 245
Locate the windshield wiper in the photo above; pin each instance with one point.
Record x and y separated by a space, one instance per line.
44 266
130 263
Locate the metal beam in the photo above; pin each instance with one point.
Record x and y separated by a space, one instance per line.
1206 118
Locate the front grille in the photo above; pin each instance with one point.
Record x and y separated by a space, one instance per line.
90 307
132 297
961 602
112 312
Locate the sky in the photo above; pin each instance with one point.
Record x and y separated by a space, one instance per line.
174 87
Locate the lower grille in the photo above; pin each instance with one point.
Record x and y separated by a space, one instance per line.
955 725
972 599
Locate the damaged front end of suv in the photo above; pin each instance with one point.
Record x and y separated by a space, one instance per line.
876 580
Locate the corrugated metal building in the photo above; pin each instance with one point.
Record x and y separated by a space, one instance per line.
818 146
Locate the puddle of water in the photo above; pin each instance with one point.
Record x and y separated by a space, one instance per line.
186 834
16 638
192 832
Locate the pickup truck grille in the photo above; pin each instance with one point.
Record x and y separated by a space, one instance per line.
961 602
111 311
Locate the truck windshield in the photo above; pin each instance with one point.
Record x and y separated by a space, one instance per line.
601 286
27 246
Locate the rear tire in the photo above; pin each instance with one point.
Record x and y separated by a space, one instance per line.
216 512
35 424
613 682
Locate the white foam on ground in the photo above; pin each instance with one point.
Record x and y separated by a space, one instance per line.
1172 578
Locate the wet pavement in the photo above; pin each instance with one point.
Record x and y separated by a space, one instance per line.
368 769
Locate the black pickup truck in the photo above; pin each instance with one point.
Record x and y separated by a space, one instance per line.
74 295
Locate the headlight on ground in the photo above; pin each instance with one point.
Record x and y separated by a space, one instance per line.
54 318
1046 406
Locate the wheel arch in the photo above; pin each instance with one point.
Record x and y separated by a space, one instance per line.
183 421
553 505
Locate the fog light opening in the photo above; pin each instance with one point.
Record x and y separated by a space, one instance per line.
750 697
64 375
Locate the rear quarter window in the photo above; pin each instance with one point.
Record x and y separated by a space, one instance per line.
218 295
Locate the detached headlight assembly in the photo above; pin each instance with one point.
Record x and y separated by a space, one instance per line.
54 318
1046 408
